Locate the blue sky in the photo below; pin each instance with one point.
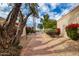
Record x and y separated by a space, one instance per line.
55 10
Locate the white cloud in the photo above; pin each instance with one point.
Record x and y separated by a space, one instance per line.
3 5
54 5
43 7
56 16
53 15
30 21
2 12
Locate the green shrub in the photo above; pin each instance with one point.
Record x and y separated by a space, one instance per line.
30 30
72 31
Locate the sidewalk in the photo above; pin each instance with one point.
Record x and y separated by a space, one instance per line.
43 44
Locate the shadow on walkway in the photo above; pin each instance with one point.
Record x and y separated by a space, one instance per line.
29 51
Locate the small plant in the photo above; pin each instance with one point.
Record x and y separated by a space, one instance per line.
58 31
29 30
72 31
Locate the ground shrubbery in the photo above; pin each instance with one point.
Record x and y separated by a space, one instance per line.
72 31
50 32
30 30
57 31
53 32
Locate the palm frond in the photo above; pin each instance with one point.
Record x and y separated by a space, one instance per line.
34 9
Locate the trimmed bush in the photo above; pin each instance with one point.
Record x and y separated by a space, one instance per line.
58 31
72 31
30 30
53 32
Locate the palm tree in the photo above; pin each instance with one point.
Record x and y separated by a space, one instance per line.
9 33
34 13
33 10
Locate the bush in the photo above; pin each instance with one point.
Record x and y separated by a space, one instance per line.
53 32
50 32
58 31
72 31
30 30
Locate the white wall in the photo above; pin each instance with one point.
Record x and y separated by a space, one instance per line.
72 17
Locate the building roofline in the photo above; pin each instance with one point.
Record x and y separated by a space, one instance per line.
68 13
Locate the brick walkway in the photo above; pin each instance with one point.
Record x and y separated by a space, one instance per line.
42 44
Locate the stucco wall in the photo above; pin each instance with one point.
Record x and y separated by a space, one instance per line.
71 17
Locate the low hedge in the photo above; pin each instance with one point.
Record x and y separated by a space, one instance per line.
30 30
58 31
71 31
53 32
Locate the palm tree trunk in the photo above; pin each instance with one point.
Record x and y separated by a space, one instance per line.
8 31
24 24
34 24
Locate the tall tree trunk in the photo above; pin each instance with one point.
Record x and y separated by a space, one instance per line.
24 23
8 31
34 23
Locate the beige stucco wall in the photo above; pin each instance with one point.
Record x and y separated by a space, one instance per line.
71 17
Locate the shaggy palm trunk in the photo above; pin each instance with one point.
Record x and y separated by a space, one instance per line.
9 40
34 24
24 23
